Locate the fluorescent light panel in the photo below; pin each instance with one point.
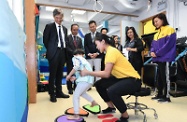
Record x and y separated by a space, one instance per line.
78 12
47 8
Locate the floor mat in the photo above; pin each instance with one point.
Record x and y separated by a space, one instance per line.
70 111
63 118
94 110
103 116
110 120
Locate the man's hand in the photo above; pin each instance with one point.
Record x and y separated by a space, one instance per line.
90 54
95 55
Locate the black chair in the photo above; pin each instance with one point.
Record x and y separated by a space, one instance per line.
149 79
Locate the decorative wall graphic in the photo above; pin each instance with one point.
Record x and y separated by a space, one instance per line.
161 5
13 84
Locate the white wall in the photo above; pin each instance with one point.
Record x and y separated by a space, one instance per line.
153 10
182 24
17 8
128 23
175 12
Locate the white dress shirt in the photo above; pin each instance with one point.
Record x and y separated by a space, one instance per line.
63 37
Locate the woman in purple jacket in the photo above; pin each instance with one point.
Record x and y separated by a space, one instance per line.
163 51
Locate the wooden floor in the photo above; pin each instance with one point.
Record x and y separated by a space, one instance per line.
45 111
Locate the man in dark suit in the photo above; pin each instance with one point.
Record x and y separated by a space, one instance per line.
93 55
54 39
74 42
103 31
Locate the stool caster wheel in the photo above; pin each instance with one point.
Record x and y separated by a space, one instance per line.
156 116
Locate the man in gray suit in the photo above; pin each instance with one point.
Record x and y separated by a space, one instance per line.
74 42
54 39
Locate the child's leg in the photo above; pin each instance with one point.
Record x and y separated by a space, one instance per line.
81 88
85 86
76 98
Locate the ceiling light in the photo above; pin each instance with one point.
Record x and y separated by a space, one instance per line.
49 8
78 12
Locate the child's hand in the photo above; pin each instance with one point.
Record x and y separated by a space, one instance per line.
73 78
68 77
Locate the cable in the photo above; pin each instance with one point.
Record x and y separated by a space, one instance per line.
149 5
72 18
98 6
185 3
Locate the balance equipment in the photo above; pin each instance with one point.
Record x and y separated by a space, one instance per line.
103 116
70 111
94 110
110 120
63 118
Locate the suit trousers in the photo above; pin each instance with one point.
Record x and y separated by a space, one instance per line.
70 86
56 65
96 63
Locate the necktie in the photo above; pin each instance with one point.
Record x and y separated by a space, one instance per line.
93 36
60 36
75 42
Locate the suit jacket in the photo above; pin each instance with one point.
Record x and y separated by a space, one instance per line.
90 46
50 39
71 47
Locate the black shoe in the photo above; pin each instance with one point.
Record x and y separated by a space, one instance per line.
109 110
62 95
122 119
53 98
157 97
89 89
70 92
164 100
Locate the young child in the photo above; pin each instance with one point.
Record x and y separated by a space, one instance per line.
83 82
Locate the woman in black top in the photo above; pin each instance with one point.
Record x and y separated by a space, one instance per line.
135 46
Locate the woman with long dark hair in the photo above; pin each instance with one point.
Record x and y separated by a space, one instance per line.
135 47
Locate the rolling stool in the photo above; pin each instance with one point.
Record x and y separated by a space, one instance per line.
136 106
149 79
